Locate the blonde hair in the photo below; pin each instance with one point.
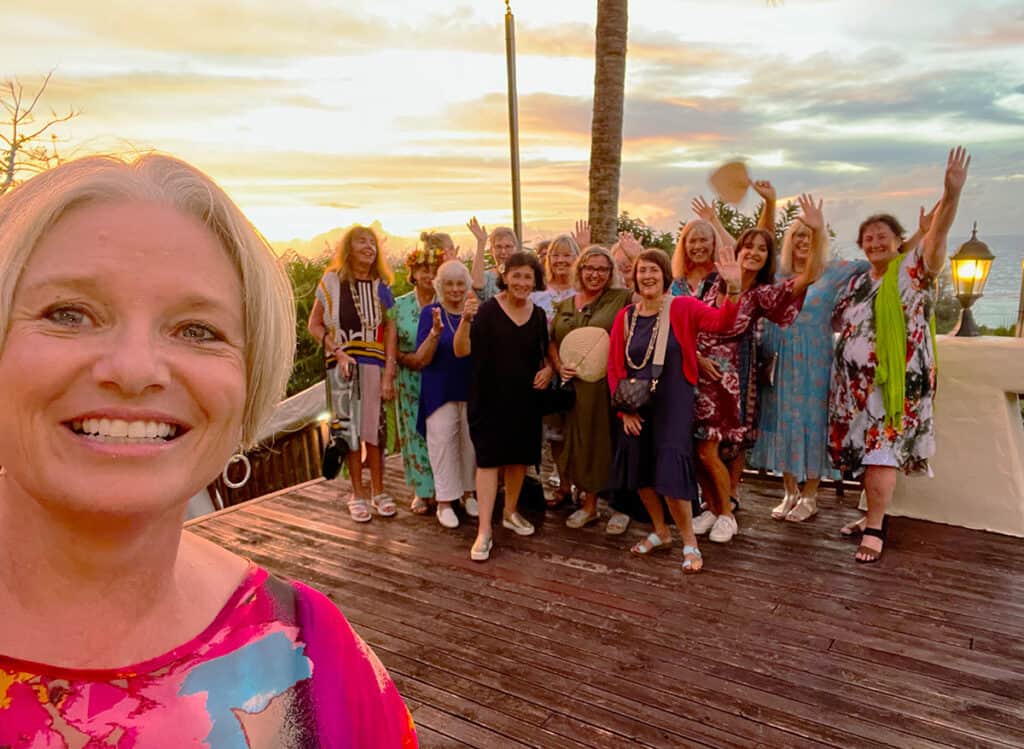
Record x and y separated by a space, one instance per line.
680 263
786 253
31 210
562 240
340 263
595 250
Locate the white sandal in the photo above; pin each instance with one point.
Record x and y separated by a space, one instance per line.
692 551
359 510
781 510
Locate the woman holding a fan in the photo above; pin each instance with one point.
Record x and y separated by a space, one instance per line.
580 327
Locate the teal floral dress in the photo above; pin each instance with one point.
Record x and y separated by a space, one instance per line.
418 475
858 435
793 428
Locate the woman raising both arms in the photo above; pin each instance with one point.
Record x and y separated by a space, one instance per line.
727 399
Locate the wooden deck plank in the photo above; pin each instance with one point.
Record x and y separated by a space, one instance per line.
565 640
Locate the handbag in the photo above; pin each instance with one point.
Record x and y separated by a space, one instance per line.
633 393
343 417
557 397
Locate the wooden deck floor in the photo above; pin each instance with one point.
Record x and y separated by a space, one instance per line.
564 639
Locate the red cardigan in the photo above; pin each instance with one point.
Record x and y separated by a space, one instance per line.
688 316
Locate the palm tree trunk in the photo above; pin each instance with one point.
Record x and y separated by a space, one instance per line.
606 126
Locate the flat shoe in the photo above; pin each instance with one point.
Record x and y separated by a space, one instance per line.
481 552
724 530
617 524
650 545
419 506
517 523
855 528
581 518
805 509
692 551
872 555
359 510
384 505
781 510
446 517
471 507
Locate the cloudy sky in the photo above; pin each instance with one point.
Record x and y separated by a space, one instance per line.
318 113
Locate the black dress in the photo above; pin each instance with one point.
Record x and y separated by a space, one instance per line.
662 455
504 409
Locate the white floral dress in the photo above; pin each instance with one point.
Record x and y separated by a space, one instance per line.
858 435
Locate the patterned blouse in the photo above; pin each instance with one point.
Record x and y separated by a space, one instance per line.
727 408
278 668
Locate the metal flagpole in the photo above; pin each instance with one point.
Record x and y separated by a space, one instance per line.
513 120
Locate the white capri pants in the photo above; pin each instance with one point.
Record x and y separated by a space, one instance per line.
452 458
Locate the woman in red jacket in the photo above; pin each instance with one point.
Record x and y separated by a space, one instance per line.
655 452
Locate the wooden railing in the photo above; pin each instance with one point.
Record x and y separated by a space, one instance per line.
291 459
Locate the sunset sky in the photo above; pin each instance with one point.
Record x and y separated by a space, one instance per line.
318 113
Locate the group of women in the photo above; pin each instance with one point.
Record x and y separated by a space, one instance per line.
722 357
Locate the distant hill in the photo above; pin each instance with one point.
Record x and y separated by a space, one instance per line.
394 245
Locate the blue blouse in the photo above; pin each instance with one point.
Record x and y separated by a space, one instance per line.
446 378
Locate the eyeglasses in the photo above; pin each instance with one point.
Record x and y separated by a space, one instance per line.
595 269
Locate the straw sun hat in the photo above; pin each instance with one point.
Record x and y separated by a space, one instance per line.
586 349
730 181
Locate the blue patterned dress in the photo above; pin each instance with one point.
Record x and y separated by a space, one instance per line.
414 445
794 411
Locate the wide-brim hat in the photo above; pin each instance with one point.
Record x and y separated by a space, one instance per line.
730 181
586 349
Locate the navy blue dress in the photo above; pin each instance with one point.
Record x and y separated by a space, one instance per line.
662 455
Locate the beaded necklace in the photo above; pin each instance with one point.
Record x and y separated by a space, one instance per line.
366 323
650 344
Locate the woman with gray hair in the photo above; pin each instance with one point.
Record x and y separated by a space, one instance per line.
146 332
444 392
586 455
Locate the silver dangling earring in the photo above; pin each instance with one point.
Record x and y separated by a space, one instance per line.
242 458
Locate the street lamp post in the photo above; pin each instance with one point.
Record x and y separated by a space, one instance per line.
970 266
513 119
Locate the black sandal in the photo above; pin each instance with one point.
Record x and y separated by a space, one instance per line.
873 555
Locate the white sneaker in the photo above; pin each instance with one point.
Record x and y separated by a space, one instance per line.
446 516
703 522
469 503
724 529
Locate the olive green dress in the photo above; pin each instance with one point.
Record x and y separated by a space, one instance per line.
587 455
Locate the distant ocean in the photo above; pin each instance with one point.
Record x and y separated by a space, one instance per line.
1002 292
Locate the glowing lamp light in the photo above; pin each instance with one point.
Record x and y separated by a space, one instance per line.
970 266
323 417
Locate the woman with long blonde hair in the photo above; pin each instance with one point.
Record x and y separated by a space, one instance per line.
351 316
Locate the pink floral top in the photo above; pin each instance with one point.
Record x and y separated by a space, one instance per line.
278 668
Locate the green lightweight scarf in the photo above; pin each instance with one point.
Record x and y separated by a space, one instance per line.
891 344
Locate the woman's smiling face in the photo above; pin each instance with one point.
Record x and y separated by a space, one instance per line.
520 282
650 281
123 374
754 253
700 244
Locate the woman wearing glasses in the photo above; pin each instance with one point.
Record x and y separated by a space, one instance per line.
586 454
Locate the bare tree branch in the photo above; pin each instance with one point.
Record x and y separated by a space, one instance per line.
20 133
